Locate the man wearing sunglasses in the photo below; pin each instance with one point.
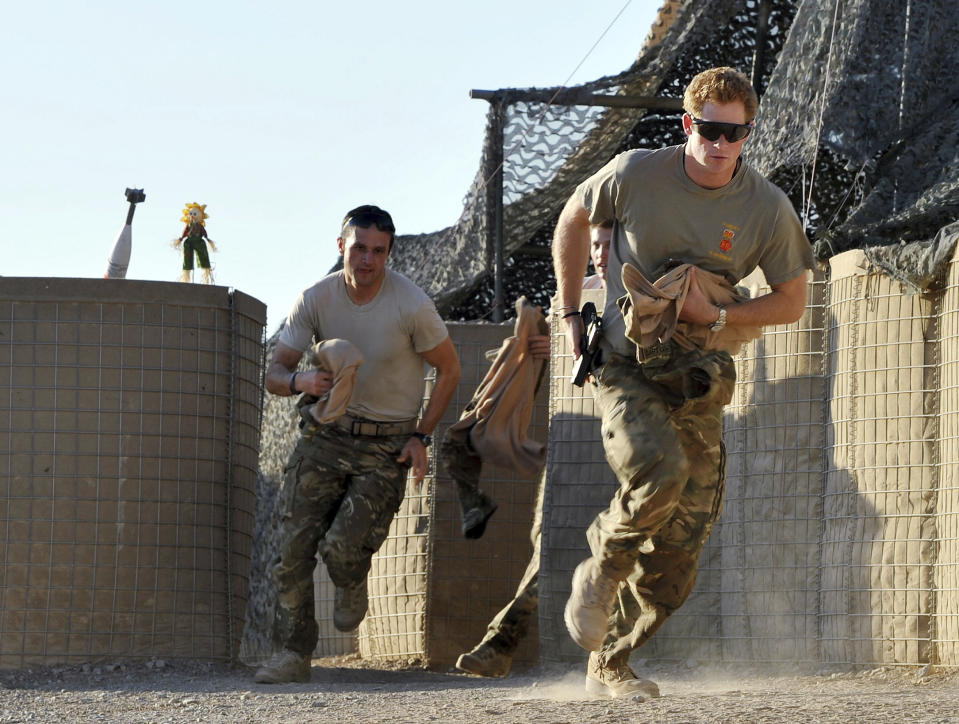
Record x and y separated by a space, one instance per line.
346 478
661 406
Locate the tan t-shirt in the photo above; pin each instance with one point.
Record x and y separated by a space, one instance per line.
593 281
391 332
662 215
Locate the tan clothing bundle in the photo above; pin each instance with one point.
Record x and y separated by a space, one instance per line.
497 418
651 311
341 358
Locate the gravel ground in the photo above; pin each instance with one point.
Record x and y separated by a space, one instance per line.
346 689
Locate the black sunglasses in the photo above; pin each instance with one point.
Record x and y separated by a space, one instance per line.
712 130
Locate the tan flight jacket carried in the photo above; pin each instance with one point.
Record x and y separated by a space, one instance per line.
651 311
497 418
341 358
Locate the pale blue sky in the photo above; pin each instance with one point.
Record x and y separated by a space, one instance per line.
279 117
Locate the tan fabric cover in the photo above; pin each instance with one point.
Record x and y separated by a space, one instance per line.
497 417
651 310
341 358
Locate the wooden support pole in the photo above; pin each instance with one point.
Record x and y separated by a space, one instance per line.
494 205
576 97
759 57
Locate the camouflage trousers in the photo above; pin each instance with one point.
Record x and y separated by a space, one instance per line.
464 467
511 624
339 496
662 433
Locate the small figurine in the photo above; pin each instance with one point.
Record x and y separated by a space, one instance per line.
194 240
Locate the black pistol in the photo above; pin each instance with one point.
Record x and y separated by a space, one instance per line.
588 344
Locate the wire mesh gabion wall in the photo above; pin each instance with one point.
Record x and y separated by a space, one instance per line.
837 543
128 461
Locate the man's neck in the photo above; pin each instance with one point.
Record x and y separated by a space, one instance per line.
701 177
362 295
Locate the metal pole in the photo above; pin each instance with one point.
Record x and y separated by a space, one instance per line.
577 97
494 202
759 57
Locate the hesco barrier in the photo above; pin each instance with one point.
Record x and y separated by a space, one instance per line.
128 462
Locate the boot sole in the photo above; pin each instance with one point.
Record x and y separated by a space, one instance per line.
598 688
463 666
273 679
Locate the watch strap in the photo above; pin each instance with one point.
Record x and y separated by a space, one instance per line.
427 440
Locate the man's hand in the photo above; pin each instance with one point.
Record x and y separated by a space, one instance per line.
783 305
414 452
314 382
697 308
574 333
538 346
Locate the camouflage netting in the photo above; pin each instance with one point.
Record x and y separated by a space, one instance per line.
880 75
864 106
548 150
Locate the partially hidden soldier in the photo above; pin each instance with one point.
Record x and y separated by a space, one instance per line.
493 655
346 477
695 219
494 424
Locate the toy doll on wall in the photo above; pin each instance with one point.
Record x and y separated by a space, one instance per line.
194 241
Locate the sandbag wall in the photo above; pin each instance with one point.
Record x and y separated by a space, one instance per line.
767 543
944 618
879 535
838 542
128 457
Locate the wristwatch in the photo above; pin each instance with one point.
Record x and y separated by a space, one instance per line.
427 440
721 321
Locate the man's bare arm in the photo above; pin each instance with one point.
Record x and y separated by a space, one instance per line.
783 305
570 259
444 360
278 374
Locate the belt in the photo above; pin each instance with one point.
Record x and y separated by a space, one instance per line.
374 428
654 355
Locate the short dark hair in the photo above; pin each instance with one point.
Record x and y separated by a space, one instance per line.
366 216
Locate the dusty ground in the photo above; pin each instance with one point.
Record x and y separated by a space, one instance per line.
346 689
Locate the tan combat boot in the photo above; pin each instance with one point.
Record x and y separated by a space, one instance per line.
485 660
590 604
284 667
615 678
